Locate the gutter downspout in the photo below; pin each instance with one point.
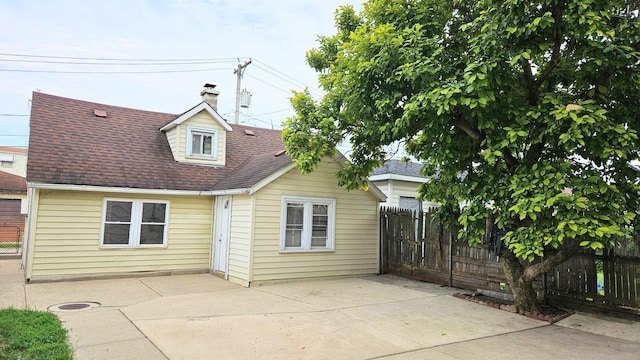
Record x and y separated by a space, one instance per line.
31 223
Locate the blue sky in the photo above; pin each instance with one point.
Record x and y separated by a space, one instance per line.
275 33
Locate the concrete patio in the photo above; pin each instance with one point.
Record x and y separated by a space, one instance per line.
201 317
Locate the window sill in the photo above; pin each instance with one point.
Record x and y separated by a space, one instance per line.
201 157
304 251
107 247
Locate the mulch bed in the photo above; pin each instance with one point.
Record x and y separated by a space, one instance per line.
549 313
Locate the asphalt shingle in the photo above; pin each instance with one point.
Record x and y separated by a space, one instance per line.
12 184
69 144
398 167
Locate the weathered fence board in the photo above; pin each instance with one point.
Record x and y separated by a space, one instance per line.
416 246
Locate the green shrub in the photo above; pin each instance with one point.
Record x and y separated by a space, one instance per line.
29 334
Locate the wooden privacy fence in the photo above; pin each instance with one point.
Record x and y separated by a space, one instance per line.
610 280
415 245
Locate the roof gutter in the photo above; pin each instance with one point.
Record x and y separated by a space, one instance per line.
398 177
125 190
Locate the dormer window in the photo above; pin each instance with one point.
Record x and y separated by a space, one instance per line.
202 143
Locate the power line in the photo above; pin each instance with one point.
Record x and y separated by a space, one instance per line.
117 59
112 72
273 112
273 86
292 79
298 84
196 62
51 59
13 115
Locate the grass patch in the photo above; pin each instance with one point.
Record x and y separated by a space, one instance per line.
30 334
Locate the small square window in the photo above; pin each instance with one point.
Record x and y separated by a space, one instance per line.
202 142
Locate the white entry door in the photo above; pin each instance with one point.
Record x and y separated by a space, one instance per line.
221 233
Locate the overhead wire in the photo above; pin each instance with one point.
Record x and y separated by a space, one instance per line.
113 72
118 59
273 112
292 79
124 62
296 83
273 86
138 63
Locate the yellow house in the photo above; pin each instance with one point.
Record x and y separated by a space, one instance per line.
117 191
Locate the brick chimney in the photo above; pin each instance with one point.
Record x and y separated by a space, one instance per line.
210 95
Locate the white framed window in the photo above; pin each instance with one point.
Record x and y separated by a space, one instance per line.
134 223
202 142
308 224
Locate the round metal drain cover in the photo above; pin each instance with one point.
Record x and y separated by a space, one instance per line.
74 306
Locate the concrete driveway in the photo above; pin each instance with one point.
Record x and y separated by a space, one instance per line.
204 317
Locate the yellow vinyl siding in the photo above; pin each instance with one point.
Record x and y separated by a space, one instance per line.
67 236
202 120
356 234
240 239
172 138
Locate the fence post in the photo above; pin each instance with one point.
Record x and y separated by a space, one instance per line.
450 257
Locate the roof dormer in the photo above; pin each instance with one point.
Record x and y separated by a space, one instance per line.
199 135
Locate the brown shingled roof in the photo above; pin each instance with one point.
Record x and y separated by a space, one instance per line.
70 145
13 149
12 184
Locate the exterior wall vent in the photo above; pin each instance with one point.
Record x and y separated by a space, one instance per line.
100 113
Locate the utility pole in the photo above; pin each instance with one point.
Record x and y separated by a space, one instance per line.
239 71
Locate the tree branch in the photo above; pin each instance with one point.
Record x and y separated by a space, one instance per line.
558 11
568 249
479 136
532 86
469 129
534 151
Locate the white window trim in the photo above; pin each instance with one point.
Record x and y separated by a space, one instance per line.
308 223
206 131
136 222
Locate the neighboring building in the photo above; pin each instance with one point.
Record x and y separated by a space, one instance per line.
13 161
13 196
399 181
122 191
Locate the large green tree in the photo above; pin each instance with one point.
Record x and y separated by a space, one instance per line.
525 112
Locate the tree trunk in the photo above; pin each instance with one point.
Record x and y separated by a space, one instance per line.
525 298
521 276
